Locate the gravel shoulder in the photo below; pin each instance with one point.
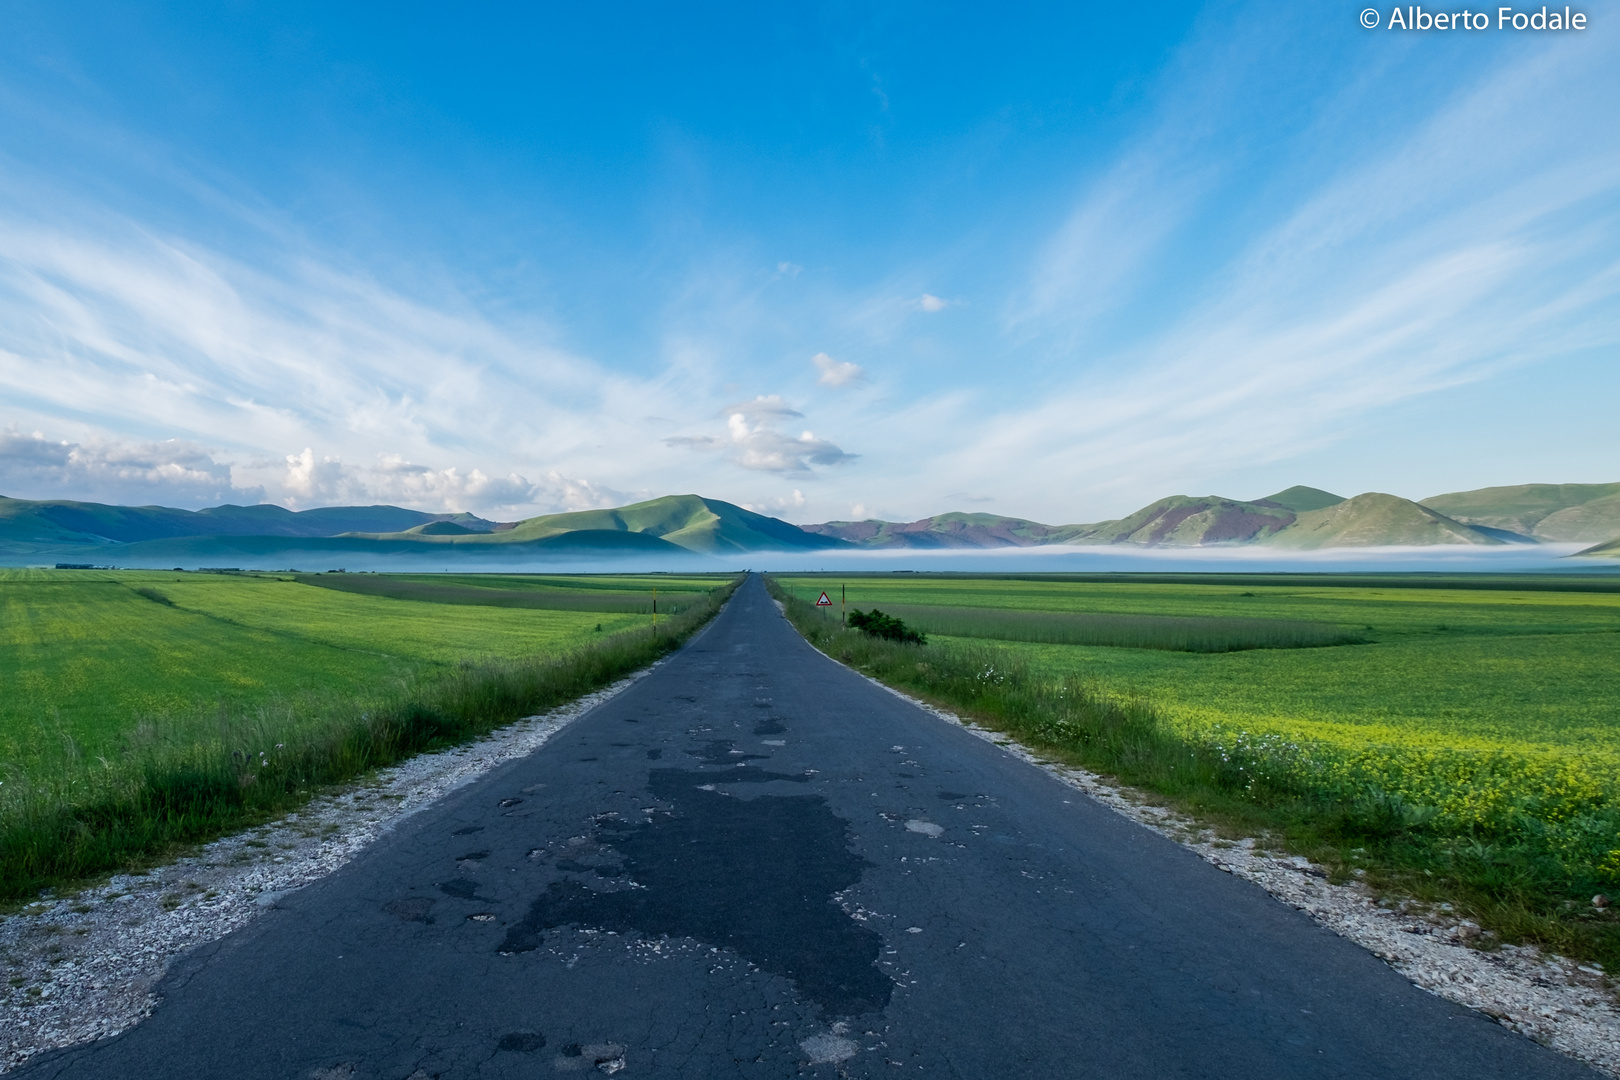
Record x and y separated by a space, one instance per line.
1569 1007
83 967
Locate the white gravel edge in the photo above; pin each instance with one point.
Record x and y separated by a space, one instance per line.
82 967
1560 1004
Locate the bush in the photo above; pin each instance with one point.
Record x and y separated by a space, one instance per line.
888 627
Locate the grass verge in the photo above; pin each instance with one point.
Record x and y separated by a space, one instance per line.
162 793
1521 846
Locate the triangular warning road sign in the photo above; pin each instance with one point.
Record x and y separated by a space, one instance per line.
825 601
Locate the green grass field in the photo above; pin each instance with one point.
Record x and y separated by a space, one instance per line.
1443 666
85 657
137 700
1468 738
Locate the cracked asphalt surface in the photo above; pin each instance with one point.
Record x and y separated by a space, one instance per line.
755 863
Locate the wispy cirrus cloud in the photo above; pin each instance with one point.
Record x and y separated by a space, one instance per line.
292 373
1481 238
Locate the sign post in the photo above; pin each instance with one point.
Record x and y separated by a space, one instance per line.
843 605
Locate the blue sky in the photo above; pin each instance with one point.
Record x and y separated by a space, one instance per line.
835 261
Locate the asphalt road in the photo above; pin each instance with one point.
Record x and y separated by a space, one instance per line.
754 863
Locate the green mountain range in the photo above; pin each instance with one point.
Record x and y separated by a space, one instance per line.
1176 521
1298 518
676 525
683 522
1179 520
679 526
26 525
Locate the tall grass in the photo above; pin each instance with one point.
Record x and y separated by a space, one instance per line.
162 792
1199 634
1519 846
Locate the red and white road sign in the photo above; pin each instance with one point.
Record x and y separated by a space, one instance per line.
825 601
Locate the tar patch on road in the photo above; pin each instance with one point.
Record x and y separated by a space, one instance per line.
461 889
522 1042
757 876
412 909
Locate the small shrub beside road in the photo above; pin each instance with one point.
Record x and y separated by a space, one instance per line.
888 627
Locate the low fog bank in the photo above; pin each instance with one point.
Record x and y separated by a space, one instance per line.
1050 559
1053 559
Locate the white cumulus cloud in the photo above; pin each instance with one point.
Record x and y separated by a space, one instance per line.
752 440
575 493
836 373
33 466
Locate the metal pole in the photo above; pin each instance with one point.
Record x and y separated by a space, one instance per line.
843 605
655 609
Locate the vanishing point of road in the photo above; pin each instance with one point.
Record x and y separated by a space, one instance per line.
755 863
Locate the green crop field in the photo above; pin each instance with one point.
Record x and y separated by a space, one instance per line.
1477 717
144 708
1430 666
87 655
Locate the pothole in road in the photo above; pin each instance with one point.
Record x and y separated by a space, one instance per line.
756 876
